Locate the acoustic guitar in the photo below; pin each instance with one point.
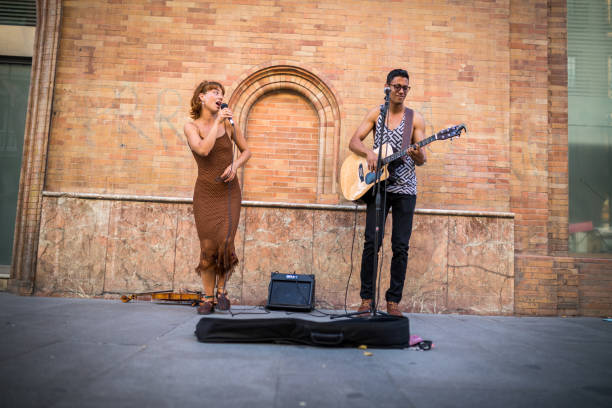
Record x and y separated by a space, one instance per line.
355 180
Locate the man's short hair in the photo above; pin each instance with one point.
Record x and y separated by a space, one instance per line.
396 73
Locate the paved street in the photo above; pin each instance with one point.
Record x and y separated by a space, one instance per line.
61 352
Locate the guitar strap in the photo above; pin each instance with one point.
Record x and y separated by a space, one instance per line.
407 135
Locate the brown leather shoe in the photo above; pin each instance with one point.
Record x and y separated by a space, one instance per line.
366 306
223 302
206 306
393 309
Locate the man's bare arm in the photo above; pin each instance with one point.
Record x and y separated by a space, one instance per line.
417 154
356 144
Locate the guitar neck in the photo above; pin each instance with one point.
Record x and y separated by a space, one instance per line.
401 153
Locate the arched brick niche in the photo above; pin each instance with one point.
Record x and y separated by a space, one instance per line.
283 132
288 85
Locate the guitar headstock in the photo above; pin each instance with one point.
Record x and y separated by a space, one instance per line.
451 132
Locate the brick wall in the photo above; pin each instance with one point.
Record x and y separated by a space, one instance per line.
557 128
529 124
562 286
126 72
594 287
548 281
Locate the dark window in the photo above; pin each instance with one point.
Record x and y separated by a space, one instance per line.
14 88
18 12
589 50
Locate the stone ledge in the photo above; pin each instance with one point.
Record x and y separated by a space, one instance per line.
268 204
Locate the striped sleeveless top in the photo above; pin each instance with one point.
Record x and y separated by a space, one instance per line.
402 177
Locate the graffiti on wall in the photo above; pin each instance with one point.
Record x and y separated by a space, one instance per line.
132 119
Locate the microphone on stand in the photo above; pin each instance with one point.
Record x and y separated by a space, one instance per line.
223 106
387 92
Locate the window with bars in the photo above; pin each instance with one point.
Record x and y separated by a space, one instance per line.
18 13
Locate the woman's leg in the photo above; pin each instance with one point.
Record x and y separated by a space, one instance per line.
223 302
208 276
206 270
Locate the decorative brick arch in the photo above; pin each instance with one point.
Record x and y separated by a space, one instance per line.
319 94
36 140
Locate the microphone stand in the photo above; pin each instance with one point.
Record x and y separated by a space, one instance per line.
375 191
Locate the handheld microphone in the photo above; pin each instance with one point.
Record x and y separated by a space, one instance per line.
387 90
223 106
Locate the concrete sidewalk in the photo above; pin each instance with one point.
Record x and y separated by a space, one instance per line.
59 352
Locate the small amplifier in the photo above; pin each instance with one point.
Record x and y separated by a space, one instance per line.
292 292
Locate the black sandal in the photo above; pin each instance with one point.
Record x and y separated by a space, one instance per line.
223 302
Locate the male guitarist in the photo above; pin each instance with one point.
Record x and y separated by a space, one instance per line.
405 126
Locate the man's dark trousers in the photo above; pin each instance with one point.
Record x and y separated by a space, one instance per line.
403 211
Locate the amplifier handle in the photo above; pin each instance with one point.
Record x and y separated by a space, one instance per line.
327 339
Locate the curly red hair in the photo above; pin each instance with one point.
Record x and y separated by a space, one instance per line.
205 86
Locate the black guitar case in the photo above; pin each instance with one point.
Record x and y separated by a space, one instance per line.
375 332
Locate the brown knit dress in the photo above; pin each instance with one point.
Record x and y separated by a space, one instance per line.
216 208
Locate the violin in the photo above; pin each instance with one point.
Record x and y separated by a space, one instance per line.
163 296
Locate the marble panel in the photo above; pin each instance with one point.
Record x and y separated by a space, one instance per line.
333 237
72 247
141 247
336 234
384 263
187 252
425 288
275 240
235 283
92 247
481 265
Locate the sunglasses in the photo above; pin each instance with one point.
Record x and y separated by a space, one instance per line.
398 88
